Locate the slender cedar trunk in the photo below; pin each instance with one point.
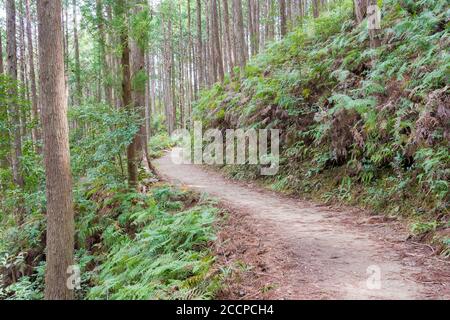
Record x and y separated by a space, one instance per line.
79 93
152 90
295 10
251 29
181 92
283 24
23 71
112 65
270 32
148 102
289 14
301 10
181 76
65 23
66 36
256 25
103 55
60 214
147 114
222 41
4 136
34 98
191 77
263 14
163 65
167 76
247 40
240 35
127 92
195 71
211 71
2 69
201 69
172 86
22 66
315 8
268 16
138 145
11 59
228 35
216 43
157 84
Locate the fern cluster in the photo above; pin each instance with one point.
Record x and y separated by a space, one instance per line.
167 259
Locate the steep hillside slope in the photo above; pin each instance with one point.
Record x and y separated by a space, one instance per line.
359 125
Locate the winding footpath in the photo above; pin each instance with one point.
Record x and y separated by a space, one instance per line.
329 253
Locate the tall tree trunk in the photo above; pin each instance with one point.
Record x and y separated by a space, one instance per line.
60 214
181 75
23 71
240 45
65 22
34 98
201 68
11 59
228 35
253 22
4 135
172 87
103 55
251 36
2 69
256 25
270 25
283 23
127 100
289 14
211 66
152 70
65 13
315 8
218 61
136 148
190 72
112 58
148 102
76 44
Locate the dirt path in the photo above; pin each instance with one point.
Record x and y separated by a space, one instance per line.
318 252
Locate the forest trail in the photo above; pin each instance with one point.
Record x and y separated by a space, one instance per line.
321 252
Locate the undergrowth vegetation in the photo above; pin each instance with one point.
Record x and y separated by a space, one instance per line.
129 245
167 256
360 125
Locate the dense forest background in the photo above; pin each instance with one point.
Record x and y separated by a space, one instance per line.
364 115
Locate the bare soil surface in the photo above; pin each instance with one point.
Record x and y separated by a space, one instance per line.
292 249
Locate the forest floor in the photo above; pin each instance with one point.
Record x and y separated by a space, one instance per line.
294 249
